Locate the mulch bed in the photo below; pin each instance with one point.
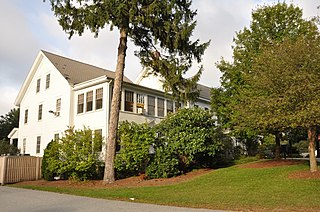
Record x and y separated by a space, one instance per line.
271 163
138 181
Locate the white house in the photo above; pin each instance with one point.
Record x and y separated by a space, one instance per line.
60 92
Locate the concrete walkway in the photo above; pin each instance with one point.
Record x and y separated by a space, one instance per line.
21 200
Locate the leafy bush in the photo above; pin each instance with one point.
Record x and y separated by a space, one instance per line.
50 161
7 148
133 157
301 146
75 155
267 148
186 139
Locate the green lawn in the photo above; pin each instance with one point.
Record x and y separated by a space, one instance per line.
232 188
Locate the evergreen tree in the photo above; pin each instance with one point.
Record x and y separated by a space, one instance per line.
160 28
8 122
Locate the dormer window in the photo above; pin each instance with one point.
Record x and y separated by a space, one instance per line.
38 85
48 81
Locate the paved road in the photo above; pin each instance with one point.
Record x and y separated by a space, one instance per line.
21 200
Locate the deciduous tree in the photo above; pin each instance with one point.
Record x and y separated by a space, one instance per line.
270 25
281 92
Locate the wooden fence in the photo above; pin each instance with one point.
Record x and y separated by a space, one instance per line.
19 168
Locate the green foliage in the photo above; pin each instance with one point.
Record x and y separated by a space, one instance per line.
7 148
188 138
50 161
8 122
164 26
134 140
74 156
301 146
270 26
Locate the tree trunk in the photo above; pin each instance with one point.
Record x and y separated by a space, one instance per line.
109 176
317 146
278 146
311 148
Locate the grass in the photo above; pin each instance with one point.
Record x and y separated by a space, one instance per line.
231 188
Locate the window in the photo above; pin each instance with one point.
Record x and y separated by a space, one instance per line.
38 85
80 103
99 97
48 81
40 113
169 107
151 105
140 103
58 107
89 101
26 116
98 135
160 107
177 106
56 137
128 101
24 146
38 144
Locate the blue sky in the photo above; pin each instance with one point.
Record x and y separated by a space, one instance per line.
29 26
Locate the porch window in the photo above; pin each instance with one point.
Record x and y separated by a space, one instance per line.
89 101
169 107
128 101
177 106
98 135
160 107
56 137
99 97
151 105
80 103
140 103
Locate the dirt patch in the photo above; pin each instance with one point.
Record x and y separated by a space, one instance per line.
305 174
271 163
138 181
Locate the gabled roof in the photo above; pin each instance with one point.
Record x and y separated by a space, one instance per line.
76 72
204 91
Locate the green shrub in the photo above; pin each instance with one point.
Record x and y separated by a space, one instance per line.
50 161
7 148
133 157
74 156
186 139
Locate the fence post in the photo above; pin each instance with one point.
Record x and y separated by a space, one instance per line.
4 170
38 168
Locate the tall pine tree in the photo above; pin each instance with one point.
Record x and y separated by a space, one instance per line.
160 28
